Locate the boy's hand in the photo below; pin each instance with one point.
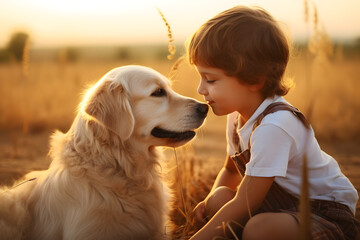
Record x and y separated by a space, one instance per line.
199 214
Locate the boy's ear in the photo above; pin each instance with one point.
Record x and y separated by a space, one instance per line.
258 86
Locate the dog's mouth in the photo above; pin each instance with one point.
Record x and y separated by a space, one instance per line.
174 136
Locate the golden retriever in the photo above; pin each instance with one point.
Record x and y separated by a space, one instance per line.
104 181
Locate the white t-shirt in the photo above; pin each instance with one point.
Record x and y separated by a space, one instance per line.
277 147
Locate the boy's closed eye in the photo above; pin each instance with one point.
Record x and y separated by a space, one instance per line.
210 81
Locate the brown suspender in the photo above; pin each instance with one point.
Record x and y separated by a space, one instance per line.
242 157
278 106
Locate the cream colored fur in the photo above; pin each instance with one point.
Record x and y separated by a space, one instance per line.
104 181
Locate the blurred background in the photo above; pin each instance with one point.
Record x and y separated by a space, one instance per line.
51 50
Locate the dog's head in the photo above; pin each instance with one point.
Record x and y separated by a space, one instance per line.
135 102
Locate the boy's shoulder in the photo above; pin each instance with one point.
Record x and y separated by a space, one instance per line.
286 120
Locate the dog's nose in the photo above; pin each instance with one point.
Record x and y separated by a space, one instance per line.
202 109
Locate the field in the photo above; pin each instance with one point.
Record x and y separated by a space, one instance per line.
43 97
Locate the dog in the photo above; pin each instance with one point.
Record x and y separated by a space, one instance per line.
104 181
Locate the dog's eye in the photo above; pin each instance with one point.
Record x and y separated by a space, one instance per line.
160 92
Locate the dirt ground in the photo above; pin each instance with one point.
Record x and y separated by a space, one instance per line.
21 153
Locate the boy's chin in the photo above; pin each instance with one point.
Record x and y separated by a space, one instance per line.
218 112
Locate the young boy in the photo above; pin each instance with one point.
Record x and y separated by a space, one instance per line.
241 55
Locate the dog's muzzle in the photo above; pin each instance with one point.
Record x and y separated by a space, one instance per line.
201 111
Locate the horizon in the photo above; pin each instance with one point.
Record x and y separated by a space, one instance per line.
299 41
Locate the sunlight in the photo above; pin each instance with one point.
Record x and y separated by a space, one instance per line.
65 22
86 7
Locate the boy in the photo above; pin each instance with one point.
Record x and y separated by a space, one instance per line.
241 55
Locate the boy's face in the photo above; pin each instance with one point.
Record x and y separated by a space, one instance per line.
223 93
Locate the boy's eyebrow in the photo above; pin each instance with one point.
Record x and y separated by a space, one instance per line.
210 73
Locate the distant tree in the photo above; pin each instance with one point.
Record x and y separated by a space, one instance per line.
123 53
4 55
357 40
16 45
72 54
357 43
68 55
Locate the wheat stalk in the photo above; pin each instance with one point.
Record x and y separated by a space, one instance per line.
26 58
25 62
305 211
171 46
175 67
306 11
315 17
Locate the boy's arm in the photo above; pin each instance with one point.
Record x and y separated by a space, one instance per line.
250 194
228 175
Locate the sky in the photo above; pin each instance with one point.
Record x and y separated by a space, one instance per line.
57 23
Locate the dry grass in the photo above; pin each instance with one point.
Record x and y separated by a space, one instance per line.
46 99
190 185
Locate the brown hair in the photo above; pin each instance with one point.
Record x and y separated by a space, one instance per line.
246 43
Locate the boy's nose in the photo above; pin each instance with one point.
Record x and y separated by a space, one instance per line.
201 89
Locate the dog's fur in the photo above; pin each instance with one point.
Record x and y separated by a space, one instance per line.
104 180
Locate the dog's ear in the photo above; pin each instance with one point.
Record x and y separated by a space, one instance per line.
110 106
